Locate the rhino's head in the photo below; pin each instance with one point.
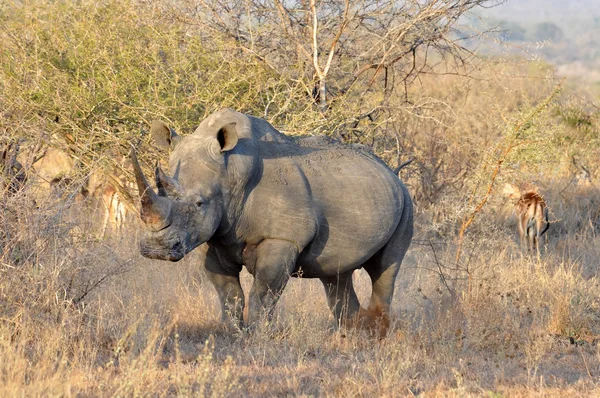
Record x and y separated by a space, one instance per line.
183 214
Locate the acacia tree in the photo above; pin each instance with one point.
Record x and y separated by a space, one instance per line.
353 69
345 46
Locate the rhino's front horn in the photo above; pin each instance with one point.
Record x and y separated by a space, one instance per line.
166 185
156 210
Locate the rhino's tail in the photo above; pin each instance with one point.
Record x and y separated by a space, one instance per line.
400 167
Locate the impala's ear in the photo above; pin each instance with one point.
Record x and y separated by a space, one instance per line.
511 191
227 137
164 136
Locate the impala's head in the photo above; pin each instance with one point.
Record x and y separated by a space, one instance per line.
511 191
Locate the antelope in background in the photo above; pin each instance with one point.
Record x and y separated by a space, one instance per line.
104 190
111 190
532 215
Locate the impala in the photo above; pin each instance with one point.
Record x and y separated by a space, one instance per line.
532 216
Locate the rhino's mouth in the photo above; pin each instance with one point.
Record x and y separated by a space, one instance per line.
175 253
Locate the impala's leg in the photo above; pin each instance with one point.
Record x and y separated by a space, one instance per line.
539 216
537 230
341 297
226 280
120 215
106 218
275 261
542 217
532 234
522 232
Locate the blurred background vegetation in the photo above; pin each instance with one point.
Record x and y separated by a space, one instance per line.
563 33
89 77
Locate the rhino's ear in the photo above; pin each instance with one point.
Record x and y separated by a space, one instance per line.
163 135
227 137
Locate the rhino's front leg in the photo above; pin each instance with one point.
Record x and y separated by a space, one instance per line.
225 278
275 261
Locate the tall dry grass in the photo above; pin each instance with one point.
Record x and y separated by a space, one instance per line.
527 326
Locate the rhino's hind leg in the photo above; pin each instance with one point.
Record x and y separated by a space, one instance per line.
341 297
226 281
275 261
383 269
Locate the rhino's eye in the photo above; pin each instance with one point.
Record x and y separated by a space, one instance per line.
199 203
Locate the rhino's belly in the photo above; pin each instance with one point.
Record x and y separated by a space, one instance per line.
332 261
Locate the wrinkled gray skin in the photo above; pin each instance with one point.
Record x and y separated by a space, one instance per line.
281 207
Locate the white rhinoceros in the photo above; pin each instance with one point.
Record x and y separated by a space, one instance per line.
279 206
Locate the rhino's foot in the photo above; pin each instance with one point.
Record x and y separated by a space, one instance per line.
244 330
375 321
233 324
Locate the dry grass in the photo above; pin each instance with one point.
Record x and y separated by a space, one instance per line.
527 327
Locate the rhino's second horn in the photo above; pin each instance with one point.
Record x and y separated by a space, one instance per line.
156 210
166 185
